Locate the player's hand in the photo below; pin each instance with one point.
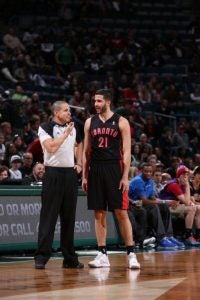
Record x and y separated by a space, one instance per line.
84 185
123 185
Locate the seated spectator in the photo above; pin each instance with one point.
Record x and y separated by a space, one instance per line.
144 142
180 139
166 177
36 150
173 165
108 60
65 57
15 163
2 147
27 166
5 177
19 94
195 186
178 189
195 96
7 131
27 134
158 216
19 144
10 151
152 160
157 179
35 123
4 173
135 154
36 176
11 41
5 68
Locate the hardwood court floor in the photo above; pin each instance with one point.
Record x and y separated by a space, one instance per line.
164 275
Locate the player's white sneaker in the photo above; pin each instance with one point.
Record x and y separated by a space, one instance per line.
132 261
100 261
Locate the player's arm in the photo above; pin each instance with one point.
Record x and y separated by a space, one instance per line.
126 150
78 156
86 153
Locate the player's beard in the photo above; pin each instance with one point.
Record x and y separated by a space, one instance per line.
103 109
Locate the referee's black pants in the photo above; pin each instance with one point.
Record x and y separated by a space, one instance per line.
59 197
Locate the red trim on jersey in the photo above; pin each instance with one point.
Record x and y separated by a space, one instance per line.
121 165
125 201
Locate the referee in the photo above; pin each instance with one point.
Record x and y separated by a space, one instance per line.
58 138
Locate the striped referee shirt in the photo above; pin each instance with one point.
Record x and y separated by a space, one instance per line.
64 156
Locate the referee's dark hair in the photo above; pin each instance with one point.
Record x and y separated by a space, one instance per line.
107 94
56 106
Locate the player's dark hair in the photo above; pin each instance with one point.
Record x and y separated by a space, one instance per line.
107 94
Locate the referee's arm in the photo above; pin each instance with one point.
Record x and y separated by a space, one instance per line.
53 144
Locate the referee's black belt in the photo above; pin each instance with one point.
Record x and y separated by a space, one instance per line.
59 169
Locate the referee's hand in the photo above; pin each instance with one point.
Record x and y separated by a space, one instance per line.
69 128
78 168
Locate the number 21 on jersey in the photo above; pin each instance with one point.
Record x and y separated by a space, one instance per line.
103 142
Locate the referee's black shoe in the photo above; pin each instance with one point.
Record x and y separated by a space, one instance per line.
73 265
39 265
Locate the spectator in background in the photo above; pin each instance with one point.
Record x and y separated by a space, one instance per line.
166 177
27 166
15 163
158 214
2 147
146 151
195 186
157 178
178 189
27 134
152 160
195 95
173 165
10 150
165 143
180 139
4 173
19 144
35 148
65 57
34 124
11 41
7 132
36 177
5 68
135 154
19 94
143 141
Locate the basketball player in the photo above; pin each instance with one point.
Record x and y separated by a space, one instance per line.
106 162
